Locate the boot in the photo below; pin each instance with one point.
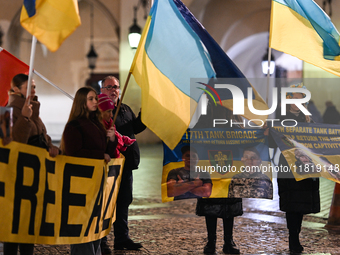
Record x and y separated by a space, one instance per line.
105 248
211 223
229 246
294 243
210 247
294 222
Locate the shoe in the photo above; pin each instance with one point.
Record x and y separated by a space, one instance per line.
229 247
294 244
127 245
210 247
105 249
295 249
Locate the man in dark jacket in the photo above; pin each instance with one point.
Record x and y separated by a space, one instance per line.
331 115
126 124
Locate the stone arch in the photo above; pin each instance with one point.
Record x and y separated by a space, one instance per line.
15 30
247 25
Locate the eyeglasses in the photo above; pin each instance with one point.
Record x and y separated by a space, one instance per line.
110 87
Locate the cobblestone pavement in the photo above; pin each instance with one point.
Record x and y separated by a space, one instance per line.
173 228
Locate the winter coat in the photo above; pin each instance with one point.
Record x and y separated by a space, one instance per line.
297 196
128 124
331 115
219 207
86 137
30 131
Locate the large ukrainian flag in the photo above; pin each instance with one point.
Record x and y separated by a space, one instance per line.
168 55
174 48
50 21
302 29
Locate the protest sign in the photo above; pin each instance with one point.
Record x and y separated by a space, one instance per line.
311 150
61 200
217 163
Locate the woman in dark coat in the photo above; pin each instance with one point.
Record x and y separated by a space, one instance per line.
296 197
214 208
28 128
85 136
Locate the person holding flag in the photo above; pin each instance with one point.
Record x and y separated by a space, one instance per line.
296 197
28 128
126 124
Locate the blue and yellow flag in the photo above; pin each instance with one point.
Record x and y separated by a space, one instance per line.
50 21
173 49
302 29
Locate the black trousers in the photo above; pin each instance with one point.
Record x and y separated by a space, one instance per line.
12 248
211 223
124 199
294 222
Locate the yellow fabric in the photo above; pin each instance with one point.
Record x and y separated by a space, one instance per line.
28 167
220 182
294 35
53 22
166 110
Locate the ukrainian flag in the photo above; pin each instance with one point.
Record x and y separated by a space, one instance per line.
168 55
302 29
174 48
50 21
224 68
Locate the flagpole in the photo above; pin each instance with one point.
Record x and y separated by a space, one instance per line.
121 98
268 72
125 87
51 83
30 72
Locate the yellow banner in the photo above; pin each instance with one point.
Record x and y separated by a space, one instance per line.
218 163
61 200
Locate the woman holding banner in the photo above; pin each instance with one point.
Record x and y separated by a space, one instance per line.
296 197
27 128
85 136
214 208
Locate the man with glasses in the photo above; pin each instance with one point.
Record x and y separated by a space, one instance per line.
126 124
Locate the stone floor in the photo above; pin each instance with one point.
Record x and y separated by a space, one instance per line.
173 228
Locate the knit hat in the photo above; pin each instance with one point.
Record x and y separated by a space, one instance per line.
105 103
299 85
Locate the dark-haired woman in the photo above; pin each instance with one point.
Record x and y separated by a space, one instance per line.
85 136
28 128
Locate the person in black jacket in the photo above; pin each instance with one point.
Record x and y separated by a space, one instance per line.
331 115
214 208
296 197
126 124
